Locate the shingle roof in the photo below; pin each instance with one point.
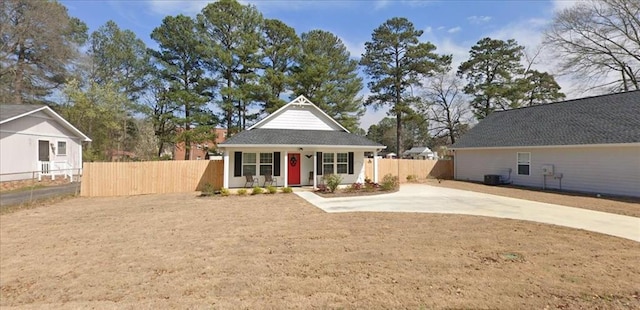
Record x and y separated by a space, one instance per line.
298 137
605 119
8 111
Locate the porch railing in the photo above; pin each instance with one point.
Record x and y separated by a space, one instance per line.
53 169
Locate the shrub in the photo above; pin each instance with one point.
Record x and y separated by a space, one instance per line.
224 192
272 189
333 180
242 191
389 182
287 190
257 190
412 178
370 187
355 187
208 190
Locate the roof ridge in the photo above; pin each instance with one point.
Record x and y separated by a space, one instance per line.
569 100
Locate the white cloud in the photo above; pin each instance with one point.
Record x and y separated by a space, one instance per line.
560 5
475 19
441 28
171 7
454 29
428 29
355 49
380 4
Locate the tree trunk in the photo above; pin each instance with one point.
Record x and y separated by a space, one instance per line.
17 82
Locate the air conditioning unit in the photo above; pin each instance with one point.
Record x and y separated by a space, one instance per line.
547 169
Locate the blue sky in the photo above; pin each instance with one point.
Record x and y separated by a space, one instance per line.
453 26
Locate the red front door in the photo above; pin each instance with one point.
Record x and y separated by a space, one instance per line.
293 173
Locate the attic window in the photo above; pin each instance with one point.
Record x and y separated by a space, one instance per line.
524 163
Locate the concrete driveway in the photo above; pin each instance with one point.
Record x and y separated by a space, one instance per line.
431 199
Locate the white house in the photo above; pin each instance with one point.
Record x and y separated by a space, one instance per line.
419 152
34 138
588 145
296 144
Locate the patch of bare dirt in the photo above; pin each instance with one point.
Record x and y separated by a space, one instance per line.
619 205
279 252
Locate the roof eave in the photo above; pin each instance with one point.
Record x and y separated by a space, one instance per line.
364 147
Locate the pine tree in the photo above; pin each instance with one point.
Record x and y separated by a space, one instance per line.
326 75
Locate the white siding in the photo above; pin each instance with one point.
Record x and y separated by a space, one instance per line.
611 170
299 117
19 145
306 166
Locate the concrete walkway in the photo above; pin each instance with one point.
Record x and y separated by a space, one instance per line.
431 199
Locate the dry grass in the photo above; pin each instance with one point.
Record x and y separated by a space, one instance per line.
620 205
278 252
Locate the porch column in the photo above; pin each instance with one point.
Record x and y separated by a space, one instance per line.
286 169
375 166
225 169
315 161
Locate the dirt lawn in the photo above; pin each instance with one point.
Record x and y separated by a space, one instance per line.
277 251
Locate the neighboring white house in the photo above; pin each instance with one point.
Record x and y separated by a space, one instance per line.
297 144
35 138
588 145
419 152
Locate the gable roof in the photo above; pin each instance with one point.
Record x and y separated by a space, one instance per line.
10 112
308 108
280 129
418 150
606 119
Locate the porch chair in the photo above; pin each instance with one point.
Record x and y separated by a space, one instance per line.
250 180
311 178
270 180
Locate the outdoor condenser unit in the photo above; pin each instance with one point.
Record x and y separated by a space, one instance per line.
492 179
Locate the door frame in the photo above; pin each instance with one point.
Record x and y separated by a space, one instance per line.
299 165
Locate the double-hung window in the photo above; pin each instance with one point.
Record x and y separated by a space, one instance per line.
249 164
342 163
266 163
524 163
62 148
327 163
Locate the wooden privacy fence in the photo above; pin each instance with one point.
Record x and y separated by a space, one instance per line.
153 177
422 169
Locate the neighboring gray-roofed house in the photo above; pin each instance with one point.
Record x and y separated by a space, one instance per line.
296 144
36 141
419 152
590 145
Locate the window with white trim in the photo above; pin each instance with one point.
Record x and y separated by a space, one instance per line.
327 163
249 164
266 163
62 147
524 163
342 163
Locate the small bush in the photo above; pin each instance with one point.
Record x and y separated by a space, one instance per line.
370 186
412 178
208 190
242 191
224 192
333 180
389 182
287 190
257 190
272 189
355 187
